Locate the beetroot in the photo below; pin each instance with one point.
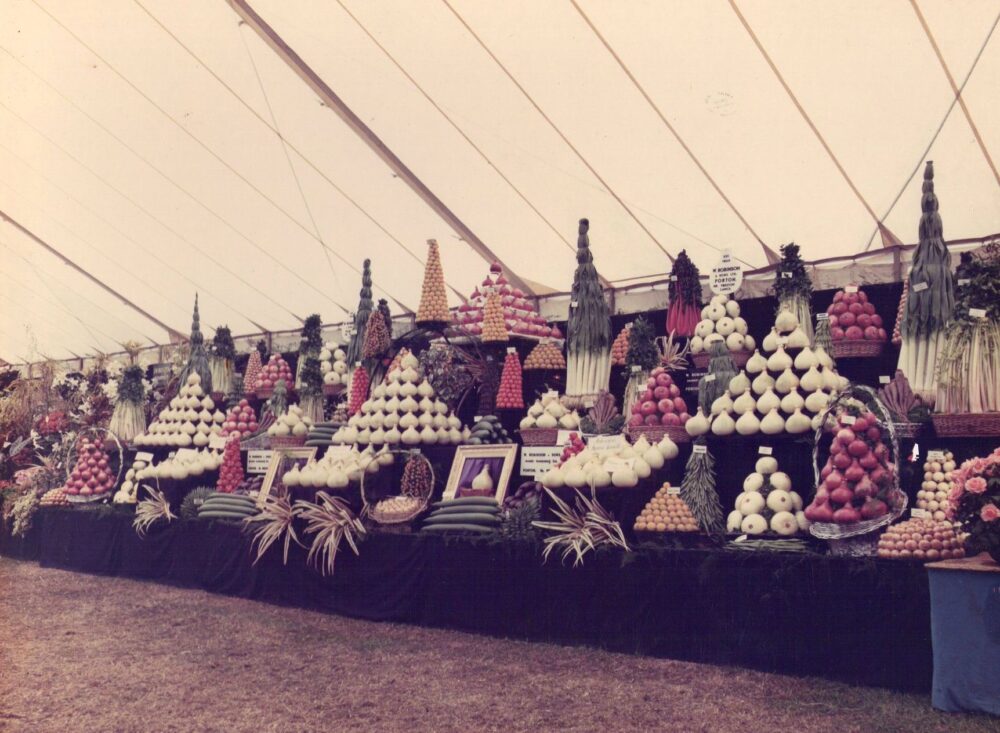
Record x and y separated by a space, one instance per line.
664 380
648 408
856 308
836 333
672 418
871 333
864 320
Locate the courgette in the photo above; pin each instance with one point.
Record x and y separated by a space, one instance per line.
465 501
474 528
480 518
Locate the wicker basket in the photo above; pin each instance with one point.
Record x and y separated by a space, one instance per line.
371 509
539 436
332 390
967 424
287 441
655 433
857 349
740 358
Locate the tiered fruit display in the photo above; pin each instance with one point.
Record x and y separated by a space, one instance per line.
188 421
922 539
252 372
721 320
857 480
275 369
776 394
545 355
666 512
292 424
360 381
241 420
402 410
621 468
488 431
933 494
231 471
768 503
494 328
519 313
333 365
853 317
619 347
548 412
55 497
338 470
433 306
509 396
661 402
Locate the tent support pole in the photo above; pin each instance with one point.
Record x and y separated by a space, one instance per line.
313 80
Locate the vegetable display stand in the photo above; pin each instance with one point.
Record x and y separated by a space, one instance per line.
89 478
740 358
862 545
857 349
970 424
655 433
539 436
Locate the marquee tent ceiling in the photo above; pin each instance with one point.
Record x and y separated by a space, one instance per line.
165 148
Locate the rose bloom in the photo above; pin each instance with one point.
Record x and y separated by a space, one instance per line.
976 485
989 513
955 494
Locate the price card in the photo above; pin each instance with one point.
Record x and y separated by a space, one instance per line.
919 287
636 368
186 454
700 449
786 275
477 418
588 402
606 442
672 278
822 316
258 461
357 364
573 304
727 275
216 442
962 281
918 513
765 450
537 460
851 289
144 456
847 419
935 455
977 312
511 349
884 379
613 464
709 377
673 491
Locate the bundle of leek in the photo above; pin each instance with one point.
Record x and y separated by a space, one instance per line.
931 298
129 417
588 338
793 287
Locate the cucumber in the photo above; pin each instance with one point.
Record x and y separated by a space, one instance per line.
465 501
464 508
479 518
222 515
233 499
474 528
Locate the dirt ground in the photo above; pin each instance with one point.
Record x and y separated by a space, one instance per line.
83 653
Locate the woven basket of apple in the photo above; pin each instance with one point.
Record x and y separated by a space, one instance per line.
856 329
659 410
91 471
275 369
857 489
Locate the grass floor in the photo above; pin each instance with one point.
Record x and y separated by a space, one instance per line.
84 653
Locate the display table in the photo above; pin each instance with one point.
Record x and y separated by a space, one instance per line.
965 623
866 621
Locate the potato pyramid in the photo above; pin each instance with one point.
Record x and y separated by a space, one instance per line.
494 326
433 300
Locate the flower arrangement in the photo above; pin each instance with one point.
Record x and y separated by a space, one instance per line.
975 502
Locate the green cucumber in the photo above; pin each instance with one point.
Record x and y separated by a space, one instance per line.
467 518
234 500
465 501
222 515
464 508
476 528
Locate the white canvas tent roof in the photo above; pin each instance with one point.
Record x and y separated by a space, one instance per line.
166 148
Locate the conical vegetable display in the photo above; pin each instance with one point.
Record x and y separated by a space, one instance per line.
721 321
588 330
365 306
433 298
931 299
188 420
519 312
198 360
509 396
768 503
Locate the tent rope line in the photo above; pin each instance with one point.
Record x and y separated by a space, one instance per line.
956 90
256 245
319 171
923 155
409 77
768 252
76 294
802 112
556 129
211 152
86 273
135 242
288 158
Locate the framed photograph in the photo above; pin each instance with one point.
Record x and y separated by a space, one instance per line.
282 460
481 470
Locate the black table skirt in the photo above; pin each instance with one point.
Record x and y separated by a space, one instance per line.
864 621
